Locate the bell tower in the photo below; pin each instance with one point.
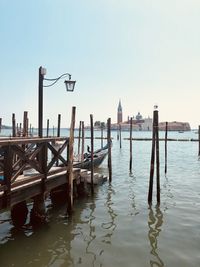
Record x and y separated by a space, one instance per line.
119 113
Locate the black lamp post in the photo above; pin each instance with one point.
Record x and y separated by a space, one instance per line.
69 87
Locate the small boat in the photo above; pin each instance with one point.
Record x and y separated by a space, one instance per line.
98 157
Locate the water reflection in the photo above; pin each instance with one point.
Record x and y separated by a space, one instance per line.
111 225
92 234
46 246
131 187
155 222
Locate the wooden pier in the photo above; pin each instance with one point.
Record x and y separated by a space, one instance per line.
29 170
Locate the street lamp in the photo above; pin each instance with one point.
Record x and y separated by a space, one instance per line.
69 88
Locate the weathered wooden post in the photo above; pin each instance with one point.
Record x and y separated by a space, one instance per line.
79 139
152 163
166 131
83 141
25 119
30 130
0 124
157 157
70 163
13 125
92 153
199 139
155 149
101 135
17 129
131 129
120 136
109 148
20 129
47 127
58 129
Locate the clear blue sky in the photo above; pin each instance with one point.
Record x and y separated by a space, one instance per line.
140 51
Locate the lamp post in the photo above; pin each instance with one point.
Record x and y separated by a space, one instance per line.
69 88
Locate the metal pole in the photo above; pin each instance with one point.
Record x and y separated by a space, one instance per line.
40 103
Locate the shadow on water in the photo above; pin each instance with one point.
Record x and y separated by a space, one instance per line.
155 222
49 245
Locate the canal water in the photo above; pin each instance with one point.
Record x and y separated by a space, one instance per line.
116 227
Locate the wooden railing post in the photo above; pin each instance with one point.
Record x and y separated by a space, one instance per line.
13 125
8 169
70 163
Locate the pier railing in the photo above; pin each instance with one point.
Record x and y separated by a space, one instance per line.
39 155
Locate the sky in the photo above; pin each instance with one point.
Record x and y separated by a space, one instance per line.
144 52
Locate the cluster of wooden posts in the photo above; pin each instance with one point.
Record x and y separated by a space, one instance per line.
154 152
19 153
20 129
22 146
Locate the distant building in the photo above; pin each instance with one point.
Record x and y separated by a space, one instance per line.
139 124
119 113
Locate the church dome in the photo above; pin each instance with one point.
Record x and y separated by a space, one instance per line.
138 116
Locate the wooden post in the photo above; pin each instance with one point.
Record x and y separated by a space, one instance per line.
83 140
13 125
92 153
166 130
109 148
101 135
0 124
58 129
152 163
70 163
30 130
157 157
25 123
120 136
79 139
20 129
199 139
8 167
53 130
155 149
47 127
131 128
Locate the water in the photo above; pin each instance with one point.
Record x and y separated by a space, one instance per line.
116 227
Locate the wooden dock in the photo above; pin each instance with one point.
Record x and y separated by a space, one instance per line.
29 169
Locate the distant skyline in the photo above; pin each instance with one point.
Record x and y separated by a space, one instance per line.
144 52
